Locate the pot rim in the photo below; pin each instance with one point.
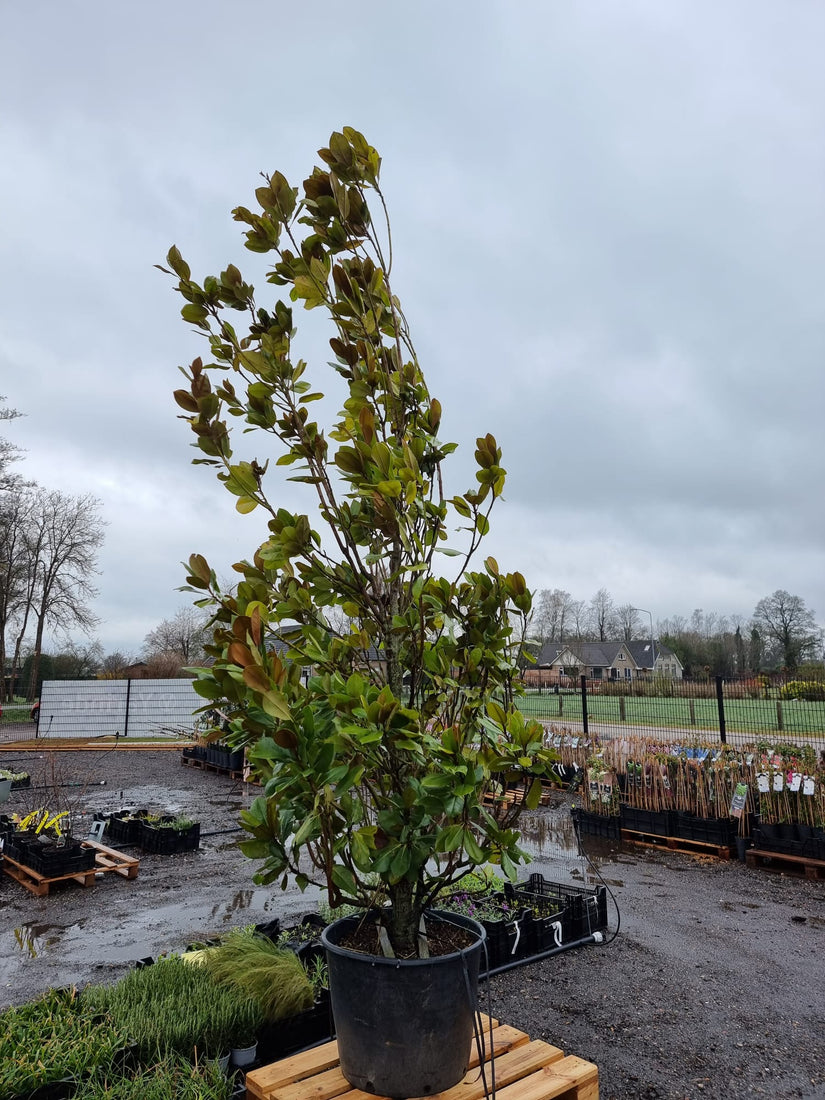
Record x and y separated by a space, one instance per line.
380 960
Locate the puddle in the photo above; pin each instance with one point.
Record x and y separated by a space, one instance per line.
33 939
140 933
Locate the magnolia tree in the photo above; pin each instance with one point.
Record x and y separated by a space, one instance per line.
384 771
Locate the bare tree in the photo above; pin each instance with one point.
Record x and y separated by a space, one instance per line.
182 638
114 666
786 622
62 547
9 453
602 615
628 622
553 614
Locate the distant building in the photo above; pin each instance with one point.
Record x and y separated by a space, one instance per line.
556 662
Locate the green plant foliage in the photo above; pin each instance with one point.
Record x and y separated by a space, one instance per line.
271 976
175 1008
379 765
167 1079
52 1038
813 691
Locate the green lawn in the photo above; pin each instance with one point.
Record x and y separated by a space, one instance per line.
741 715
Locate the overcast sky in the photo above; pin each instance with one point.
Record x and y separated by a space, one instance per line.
608 224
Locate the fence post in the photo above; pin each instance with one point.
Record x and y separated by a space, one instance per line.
584 704
561 703
720 703
692 709
126 718
622 715
780 721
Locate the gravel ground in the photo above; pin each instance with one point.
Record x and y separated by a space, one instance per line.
712 988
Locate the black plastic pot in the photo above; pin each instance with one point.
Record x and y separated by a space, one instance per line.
404 1026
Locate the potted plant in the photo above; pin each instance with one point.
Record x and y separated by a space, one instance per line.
378 761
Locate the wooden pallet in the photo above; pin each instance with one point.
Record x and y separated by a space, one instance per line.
106 859
676 844
779 861
516 795
524 1070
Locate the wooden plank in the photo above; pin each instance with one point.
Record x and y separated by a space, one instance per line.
569 1078
787 864
264 1081
675 844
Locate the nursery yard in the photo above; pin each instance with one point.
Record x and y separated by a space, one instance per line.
713 987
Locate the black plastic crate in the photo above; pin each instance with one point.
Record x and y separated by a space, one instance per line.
706 830
588 823
125 826
165 841
277 1040
653 822
69 860
583 909
782 839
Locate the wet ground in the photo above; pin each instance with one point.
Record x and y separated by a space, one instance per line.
714 987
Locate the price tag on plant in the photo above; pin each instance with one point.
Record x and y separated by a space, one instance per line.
763 782
778 781
808 785
794 781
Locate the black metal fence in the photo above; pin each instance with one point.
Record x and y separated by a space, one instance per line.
135 709
742 711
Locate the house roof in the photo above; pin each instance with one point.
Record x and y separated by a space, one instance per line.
602 654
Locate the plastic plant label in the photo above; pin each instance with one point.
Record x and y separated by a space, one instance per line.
763 782
794 781
740 797
778 781
808 785
749 759
575 742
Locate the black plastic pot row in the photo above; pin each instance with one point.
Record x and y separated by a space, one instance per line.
219 756
127 827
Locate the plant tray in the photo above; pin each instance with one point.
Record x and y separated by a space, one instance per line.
49 862
654 822
168 842
706 830
583 910
529 1070
295 1033
588 823
105 859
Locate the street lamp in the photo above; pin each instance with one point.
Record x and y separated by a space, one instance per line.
652 646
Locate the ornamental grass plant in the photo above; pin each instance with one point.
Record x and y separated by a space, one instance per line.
174 1008
55 1037
272 977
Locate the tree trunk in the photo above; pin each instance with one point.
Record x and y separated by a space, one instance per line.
403 926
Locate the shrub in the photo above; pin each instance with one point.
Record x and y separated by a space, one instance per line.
810 690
